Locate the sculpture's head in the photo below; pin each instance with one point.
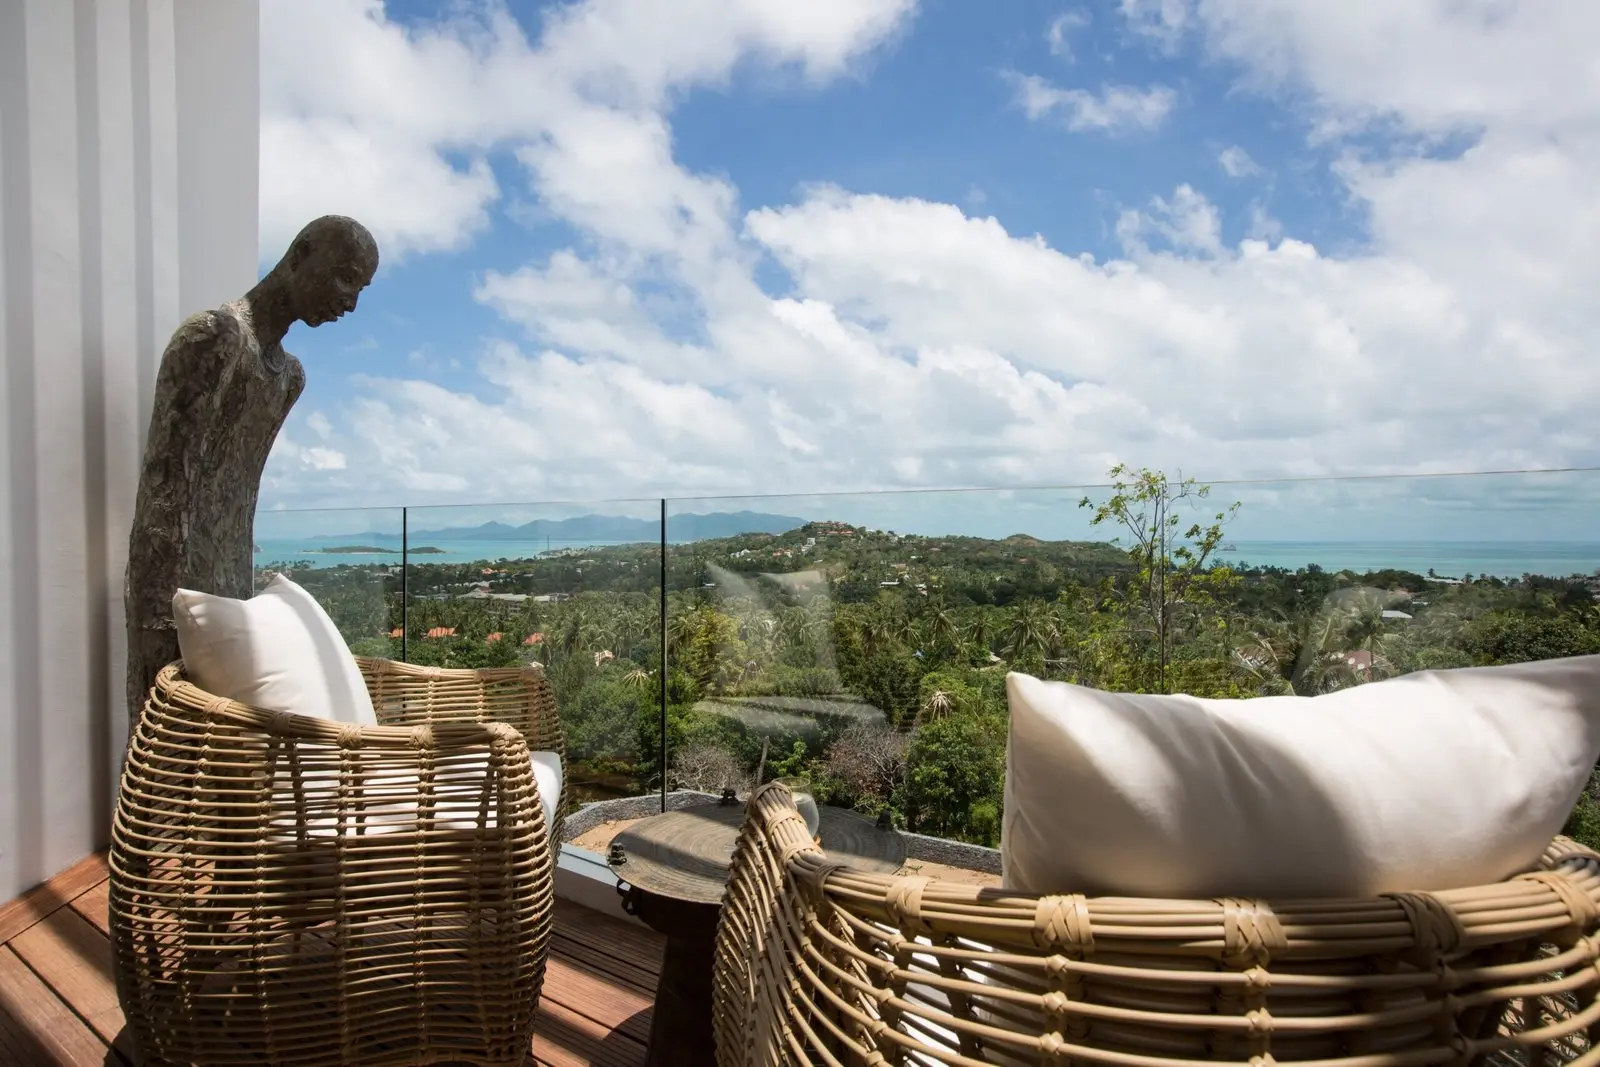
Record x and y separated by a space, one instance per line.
327 265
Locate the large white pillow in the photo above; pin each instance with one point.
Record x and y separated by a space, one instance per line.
277 650
1427 781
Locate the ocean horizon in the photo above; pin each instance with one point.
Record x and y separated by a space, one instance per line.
1447 559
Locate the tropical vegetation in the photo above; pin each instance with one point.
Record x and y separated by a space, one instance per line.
873 663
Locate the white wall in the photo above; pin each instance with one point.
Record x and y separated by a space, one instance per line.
129 145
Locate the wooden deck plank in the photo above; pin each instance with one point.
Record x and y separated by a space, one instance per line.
45 899
74 959
593 996
565 1038
52 1028
58 1001
618 939
629 972
94 904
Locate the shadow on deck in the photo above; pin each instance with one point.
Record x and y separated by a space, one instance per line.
58 1002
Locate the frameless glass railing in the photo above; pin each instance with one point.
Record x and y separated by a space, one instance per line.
349 559
860 642
572 588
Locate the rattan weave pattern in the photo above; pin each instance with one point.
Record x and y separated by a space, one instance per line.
289 890
817 963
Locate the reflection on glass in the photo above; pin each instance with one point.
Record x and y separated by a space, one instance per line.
574 589
862 641
348 559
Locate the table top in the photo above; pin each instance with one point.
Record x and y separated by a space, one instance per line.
686 854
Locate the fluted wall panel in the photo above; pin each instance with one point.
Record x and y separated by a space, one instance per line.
129 133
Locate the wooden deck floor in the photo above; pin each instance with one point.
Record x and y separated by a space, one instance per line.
58 1004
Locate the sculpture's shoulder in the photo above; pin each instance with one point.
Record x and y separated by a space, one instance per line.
204 330
198 328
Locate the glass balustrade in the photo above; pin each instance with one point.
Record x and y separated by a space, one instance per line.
858 643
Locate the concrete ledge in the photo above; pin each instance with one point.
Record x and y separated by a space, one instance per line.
952 853
583 878
593 814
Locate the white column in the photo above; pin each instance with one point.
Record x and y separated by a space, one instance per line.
128 197
218 79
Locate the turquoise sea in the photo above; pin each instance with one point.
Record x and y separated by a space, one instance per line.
315 551
1450 559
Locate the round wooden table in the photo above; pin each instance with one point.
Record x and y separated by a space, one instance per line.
672 873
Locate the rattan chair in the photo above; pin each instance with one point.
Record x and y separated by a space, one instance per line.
819 964
289 890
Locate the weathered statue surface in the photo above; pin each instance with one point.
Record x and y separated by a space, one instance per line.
224 390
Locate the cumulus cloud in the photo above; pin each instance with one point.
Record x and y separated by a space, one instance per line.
365 116
1058 35
1236 162
1188 222
916 344
1163 22
1114 107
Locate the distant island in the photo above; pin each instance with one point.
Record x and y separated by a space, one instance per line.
371 550
600 529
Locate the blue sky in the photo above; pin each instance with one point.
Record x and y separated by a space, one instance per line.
739 248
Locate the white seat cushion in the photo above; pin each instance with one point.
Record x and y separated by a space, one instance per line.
547 776
388 798
277 650
1428 781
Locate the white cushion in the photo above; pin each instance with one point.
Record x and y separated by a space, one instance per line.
461 811
547 776
277 650
1428 781
390 796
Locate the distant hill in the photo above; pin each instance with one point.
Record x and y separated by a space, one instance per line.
599 529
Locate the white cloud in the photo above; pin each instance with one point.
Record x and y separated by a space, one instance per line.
1114 107
1163 22
299 459
920 345
1188 222
1263 227
1059 33
1237 162
392 125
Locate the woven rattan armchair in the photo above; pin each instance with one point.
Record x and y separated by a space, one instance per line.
817 963
289 890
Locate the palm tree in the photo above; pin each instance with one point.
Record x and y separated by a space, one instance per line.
1029 629
793 630
682 629
877 631
1297 657
1365 625
937 706
982 629
943 628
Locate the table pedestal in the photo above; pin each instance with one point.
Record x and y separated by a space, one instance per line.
680 1027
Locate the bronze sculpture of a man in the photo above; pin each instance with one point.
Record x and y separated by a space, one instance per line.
224 390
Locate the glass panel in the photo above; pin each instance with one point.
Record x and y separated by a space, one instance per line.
860 642
573 587
1321 585
348 559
